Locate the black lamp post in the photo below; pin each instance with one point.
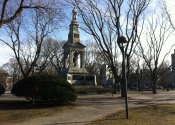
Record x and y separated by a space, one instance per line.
122 42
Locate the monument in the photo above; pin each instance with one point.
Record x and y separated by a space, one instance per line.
173 67
73 57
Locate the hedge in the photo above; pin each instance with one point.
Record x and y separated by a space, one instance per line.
45 88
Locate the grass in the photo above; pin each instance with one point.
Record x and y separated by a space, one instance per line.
18 111
163 114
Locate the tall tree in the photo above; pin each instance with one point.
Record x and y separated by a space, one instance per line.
93 57
11 9
27 34
107 20
167 77
12 68
3 76
168 11
156 35
51 55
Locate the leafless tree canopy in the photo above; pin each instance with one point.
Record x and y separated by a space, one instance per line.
11 9
27 27
156 31
107 20
93 57
51 55
26 33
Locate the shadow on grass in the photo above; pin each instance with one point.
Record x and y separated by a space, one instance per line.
20 105
172 112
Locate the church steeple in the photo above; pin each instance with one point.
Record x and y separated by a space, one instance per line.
74 35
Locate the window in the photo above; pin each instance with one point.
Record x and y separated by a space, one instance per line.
76 35
78 77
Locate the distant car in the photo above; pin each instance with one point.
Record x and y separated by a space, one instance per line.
133 87
159 87
144 88
108 86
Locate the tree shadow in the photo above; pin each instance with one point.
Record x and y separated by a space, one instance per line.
172 112
25 104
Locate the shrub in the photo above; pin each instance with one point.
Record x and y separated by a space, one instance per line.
45 88
87 89
2 89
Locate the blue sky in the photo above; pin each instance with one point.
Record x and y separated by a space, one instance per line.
6 53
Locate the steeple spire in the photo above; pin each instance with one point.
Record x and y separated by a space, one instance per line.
75 12
74 35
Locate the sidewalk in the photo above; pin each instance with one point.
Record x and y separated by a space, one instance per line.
93 107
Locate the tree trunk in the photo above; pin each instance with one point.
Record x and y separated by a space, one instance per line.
154 87
139 85
115 87
131 86
118 87
122 89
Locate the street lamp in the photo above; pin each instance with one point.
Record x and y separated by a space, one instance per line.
122 42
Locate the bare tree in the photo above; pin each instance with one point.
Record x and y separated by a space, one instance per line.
135 70
167 77
11 9
107 20
36 28
3 76
94 60
51 55
156 33
12 68
93 57
168 12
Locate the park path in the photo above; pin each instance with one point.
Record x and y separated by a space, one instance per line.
95 106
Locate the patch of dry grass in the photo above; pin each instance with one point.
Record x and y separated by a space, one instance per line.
163 114
18 111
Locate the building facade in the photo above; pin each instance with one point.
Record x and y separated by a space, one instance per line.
106 77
